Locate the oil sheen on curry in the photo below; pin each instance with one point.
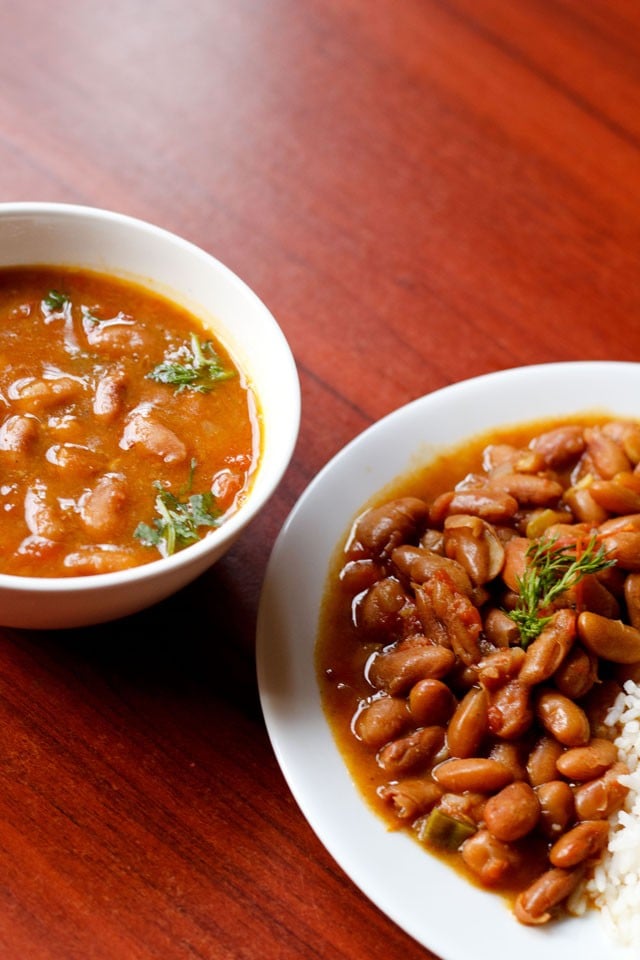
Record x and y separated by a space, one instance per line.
478 624
126 430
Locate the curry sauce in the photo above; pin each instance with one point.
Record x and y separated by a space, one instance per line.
126 429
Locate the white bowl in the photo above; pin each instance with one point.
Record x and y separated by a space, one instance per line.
77 236
423 896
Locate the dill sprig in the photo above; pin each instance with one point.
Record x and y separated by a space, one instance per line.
551 570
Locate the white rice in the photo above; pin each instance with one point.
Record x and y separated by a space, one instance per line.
614 887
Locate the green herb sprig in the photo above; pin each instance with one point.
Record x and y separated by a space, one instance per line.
551 570
55 301
178 522
201 369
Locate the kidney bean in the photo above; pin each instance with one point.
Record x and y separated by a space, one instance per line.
488 858
535 904
381 720
38 394
513 812
418 564
600 798
98 559
588 762
480 774
431 702
464 806
42 513
18 434
628 524
474 544
528 489
557 807
500 666
607 456
515 561
100 507
356 576
577 673
153 438
468 725
500 630
412 752
511 755
494 506
583 841
510 711
541 765
396 670
615 496
562 718
632 598
592 594
498 457
449 617
381 611
109 398
411 797
382 528
624 548
583 506
548 650
560 445
609 639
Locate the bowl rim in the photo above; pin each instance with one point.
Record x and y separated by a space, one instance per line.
264 482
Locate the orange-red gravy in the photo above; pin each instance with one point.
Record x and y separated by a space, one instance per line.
88 438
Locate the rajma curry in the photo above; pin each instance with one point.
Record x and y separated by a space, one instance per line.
476 629
126 430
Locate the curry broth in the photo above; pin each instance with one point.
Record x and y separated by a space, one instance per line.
341 656
94 430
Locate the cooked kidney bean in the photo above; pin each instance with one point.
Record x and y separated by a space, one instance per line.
546 653
480 774
535 904
541 765
397 669
381 529
381 720
469 724
557 807
600 798
431 702
412 796
609 639
475 545
516 684
513 812
563 718
488 858
411 752
588 762
584 840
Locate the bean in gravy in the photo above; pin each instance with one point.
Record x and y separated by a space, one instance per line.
478 622
126 430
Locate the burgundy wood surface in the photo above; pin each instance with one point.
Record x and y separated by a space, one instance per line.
421 191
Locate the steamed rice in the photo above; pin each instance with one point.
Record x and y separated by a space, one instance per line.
614 887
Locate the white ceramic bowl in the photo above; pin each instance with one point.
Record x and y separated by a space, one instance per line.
424 897
63 234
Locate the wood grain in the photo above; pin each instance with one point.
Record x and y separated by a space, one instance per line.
421 192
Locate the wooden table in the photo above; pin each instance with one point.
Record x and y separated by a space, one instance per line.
421 191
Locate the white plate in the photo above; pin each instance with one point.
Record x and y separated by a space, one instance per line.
425 898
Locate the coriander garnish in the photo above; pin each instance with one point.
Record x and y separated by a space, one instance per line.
552 570
55 300
178 521
197 369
